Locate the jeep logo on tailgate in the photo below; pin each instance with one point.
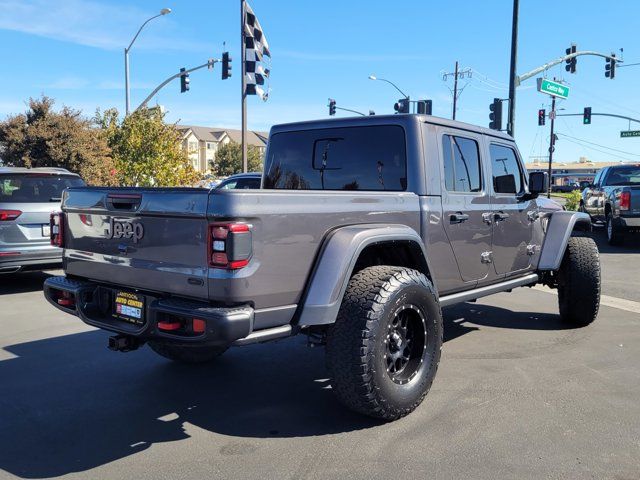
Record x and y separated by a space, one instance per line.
124 229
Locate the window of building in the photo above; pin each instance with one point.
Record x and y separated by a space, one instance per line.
461 160
507 175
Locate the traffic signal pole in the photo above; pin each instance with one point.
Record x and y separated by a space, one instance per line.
513 76
552 143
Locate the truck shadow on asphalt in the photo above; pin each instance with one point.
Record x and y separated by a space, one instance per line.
70 405
11 283
631 242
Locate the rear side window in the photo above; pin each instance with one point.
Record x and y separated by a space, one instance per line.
35 188
368 158
461 161
507 176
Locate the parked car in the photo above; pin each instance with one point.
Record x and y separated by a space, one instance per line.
241 181
614 199
363 229
27 198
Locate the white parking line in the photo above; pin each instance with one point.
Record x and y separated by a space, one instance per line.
605 300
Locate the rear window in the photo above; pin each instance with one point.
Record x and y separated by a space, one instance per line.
371 158
35 188
624 176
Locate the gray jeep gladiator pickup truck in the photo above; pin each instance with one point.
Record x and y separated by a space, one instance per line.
362 230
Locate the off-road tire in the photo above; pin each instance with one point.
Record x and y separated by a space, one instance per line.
359 340
579 282
615 234
187 354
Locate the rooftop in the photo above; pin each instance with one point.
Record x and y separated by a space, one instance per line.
215 134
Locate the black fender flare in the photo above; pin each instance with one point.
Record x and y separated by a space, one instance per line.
336 262
559 229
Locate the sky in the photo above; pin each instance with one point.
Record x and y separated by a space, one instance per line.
72 50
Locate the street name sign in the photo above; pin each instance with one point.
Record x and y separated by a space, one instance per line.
629 133
554 89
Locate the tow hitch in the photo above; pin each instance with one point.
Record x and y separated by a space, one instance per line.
124 343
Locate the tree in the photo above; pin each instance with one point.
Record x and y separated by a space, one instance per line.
42 137
146 150
229 159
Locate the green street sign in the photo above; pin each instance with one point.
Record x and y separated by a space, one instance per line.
554 89
630 133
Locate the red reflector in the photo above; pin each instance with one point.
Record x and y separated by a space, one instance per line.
7 215
238 227
238 264
66 302
8 254
625 201
169 325
199 325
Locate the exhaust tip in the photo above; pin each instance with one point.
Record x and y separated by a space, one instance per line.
123 343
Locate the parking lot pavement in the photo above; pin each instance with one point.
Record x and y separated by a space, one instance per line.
518 395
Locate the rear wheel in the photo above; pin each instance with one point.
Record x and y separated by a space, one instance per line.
579 282
615 234
384 348
187 354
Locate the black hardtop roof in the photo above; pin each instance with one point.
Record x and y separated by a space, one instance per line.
402 119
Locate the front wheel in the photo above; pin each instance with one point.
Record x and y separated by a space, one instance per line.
579 282
384 348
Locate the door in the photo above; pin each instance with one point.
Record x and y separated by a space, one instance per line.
464 201
512 218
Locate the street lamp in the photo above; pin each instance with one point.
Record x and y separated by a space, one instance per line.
373 77
164 11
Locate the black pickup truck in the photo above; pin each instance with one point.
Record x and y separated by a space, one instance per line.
363 228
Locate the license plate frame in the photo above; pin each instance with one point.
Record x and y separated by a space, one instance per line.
129 307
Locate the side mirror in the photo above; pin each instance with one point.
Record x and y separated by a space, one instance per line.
538 182
505 184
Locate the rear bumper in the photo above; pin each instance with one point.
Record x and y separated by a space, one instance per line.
223 325
632 223
29 258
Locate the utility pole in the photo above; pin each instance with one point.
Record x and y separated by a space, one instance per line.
455 91
552 142
512 71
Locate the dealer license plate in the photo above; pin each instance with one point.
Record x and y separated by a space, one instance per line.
129 307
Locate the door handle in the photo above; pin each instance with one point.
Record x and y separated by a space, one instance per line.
458 217
499 216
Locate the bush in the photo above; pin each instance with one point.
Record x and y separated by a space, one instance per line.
573 200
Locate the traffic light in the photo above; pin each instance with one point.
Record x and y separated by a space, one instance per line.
610 67
332 107
586 116
184 81
425 107
402 105
496 114
571 62
542 117
226 65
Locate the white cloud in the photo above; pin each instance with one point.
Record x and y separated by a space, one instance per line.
90 23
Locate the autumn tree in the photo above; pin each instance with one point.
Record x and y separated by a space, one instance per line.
229 159
146 150
43 137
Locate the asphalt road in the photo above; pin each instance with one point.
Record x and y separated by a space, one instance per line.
518 395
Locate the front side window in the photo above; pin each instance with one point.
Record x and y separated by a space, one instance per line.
461 160
370 158
507 175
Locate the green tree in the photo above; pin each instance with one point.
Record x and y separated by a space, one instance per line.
146 150
43 137
229 159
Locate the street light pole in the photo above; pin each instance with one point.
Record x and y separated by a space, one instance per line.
373 77
164 11
512 70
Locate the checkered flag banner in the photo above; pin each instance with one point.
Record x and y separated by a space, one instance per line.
257 56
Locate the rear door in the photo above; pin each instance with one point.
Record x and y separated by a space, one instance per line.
513 219
466 203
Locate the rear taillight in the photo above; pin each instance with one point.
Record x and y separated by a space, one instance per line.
625 201
230 245
57 229
7 215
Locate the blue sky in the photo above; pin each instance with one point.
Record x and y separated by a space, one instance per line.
72 50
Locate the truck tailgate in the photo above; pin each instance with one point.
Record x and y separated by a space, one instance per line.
150 239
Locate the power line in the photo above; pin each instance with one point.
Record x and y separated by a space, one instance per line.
601 146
